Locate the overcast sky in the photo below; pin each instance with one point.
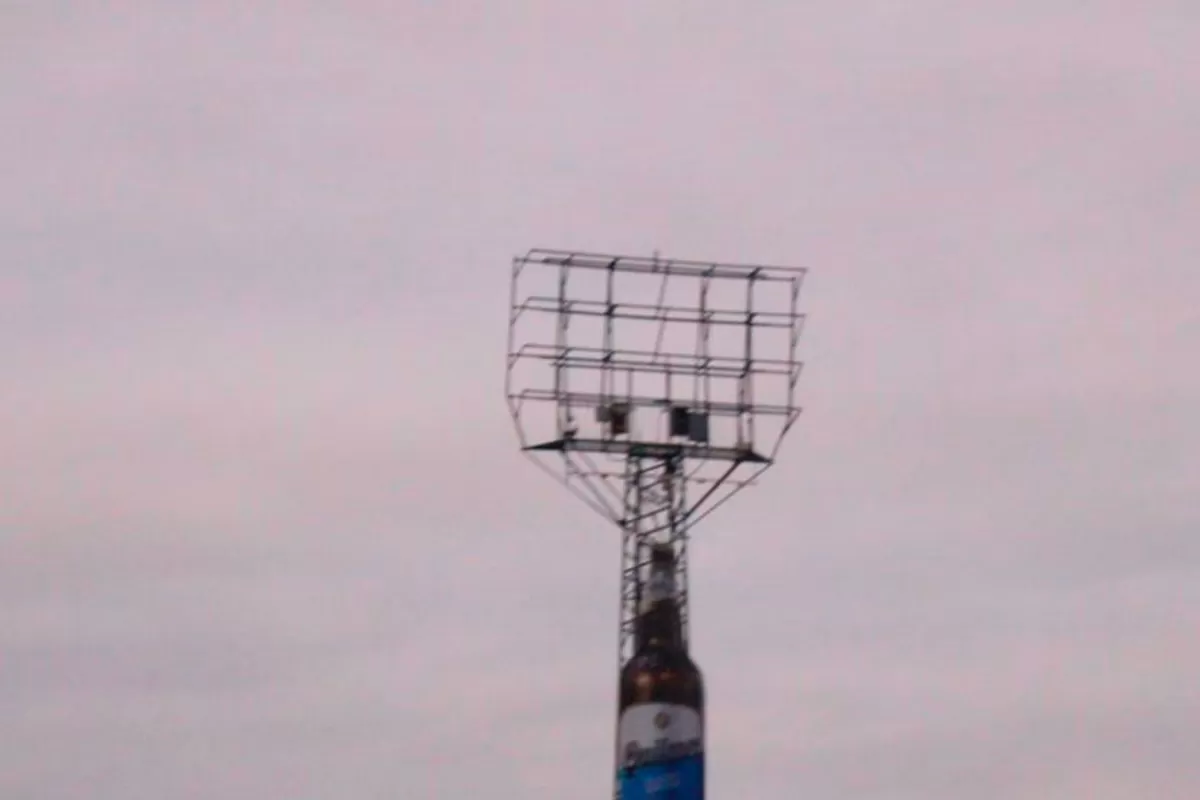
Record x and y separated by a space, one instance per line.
265 532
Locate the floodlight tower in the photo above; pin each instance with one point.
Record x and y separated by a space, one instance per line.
653 389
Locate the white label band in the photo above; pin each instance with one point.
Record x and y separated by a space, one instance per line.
651 732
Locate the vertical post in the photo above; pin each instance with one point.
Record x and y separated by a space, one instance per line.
703 385
630 585
675 482
630 525
745 385
560 347
607 379
794 341
513 312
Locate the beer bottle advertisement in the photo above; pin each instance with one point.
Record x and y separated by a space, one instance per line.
660 729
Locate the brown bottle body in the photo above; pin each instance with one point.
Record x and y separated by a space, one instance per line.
660 737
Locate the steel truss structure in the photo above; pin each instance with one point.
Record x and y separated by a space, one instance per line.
653 389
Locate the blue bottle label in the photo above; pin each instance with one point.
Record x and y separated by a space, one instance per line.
661 750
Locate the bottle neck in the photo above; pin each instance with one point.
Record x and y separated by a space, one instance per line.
658 624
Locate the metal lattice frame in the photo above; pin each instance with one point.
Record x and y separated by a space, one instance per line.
691 362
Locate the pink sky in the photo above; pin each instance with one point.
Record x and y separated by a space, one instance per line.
266 530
